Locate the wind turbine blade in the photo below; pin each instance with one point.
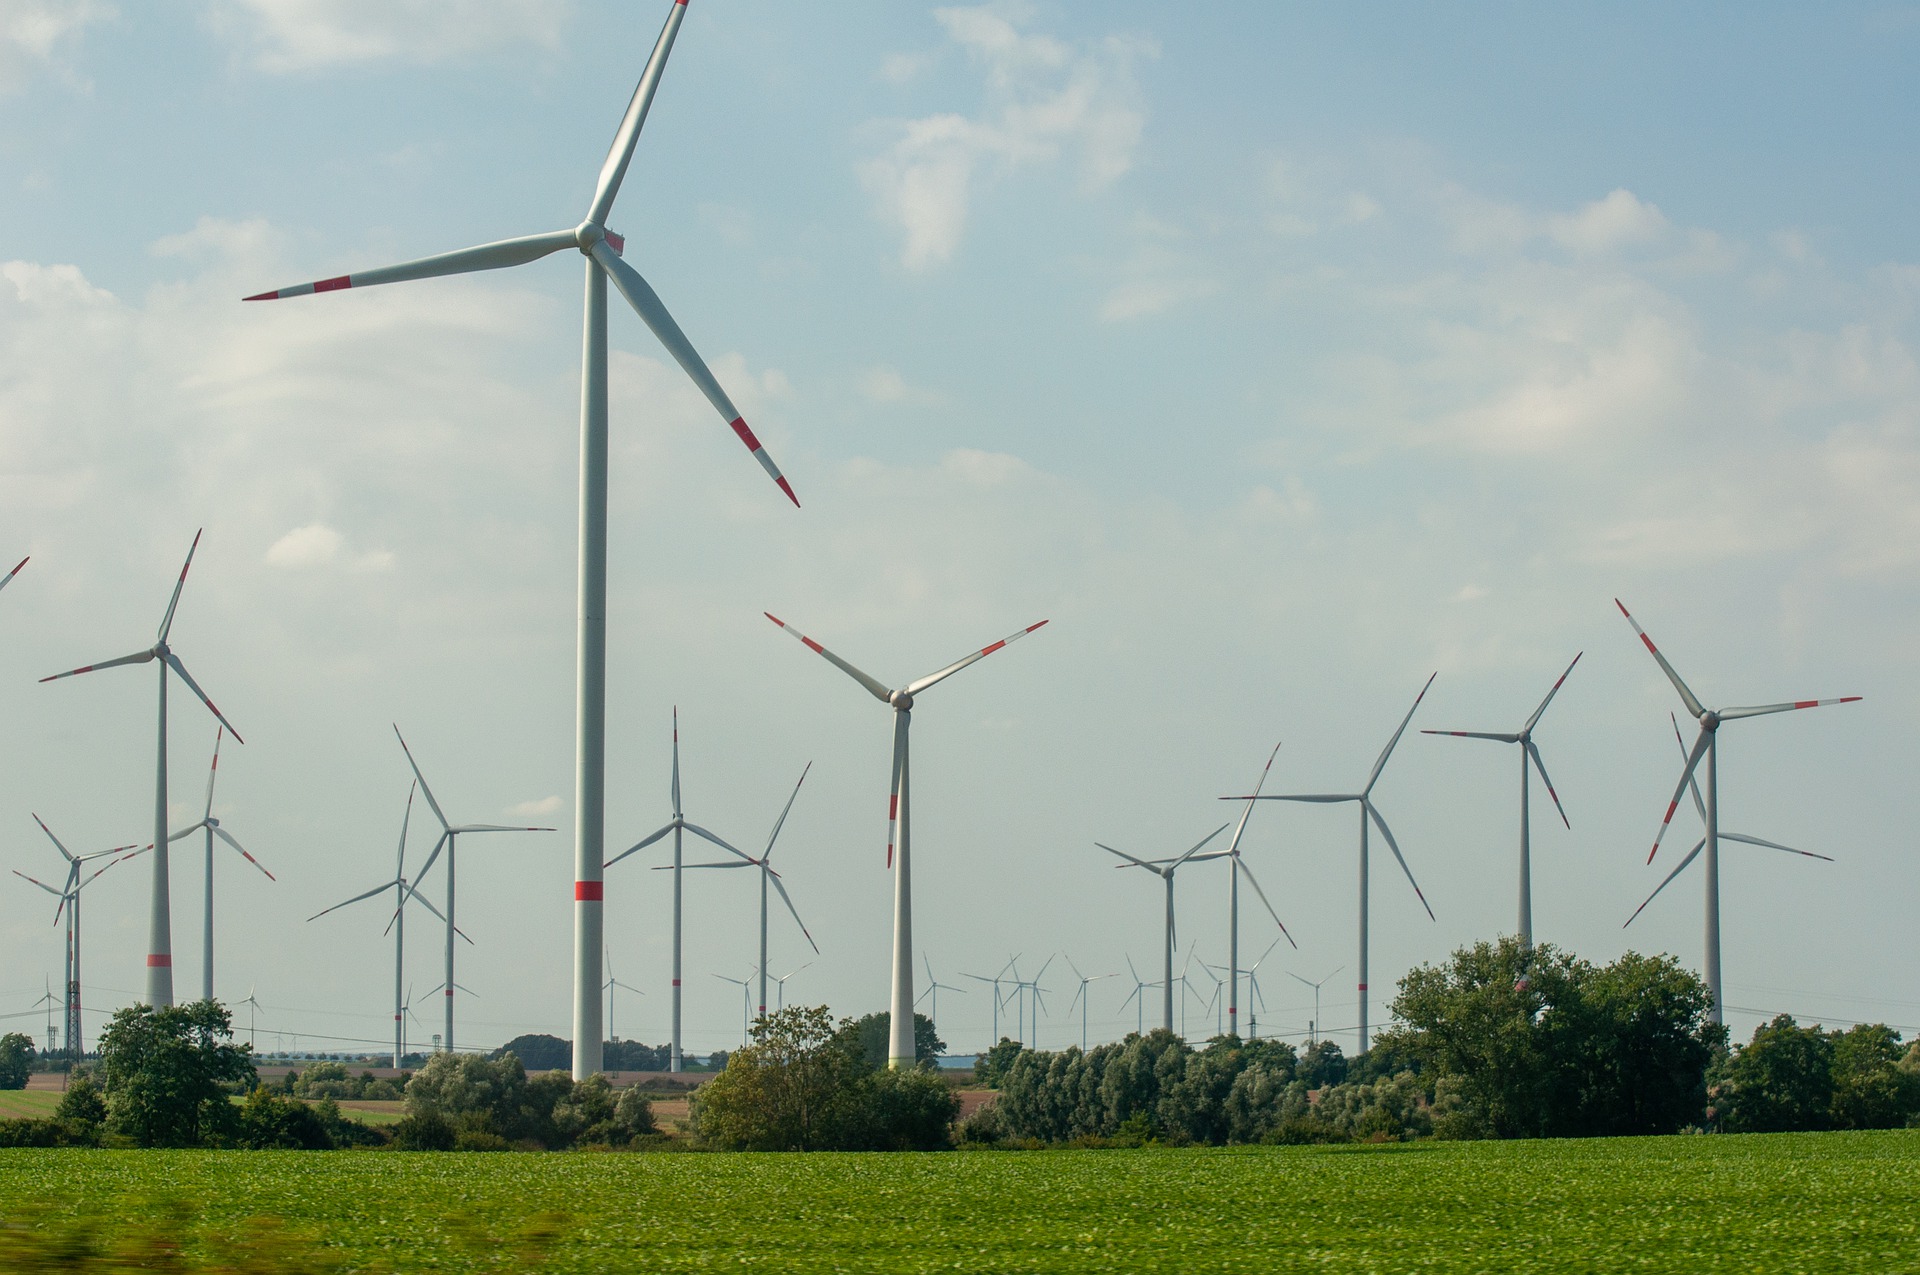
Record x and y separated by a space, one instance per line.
1269 952
1196 848
1070 965
1388 750
227 837
914 688
1241 864
676 765
433 856
1319 797
731 863
219 733
1139 863
1233 847
874 688
1691 856
638 846
138 657
426 903
382 888
1692 784
1296 978
187 831
1399 858
490 256
698 831
58 894
1475 734
1772 845
1686 776
166 621
1535 719
902 724
400 855
1729 714
647 304
496 827
421 779
64 852
1687 697
1533 751
784 898
614 168
782 821
16 571
173 662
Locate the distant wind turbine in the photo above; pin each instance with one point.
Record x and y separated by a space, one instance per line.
933 988
900 1047
1313 1028
1137 997
69 896
1529 752
1237 867
1368 811
1164 869
1706 744
780 985
613 982
160 917
211 826
1081 998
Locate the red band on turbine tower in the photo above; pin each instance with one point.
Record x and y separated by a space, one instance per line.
589 891
159 962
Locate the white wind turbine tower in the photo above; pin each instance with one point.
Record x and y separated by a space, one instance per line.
746 1005
1138 994
933 989
1313 1028
160 919
1364 799
69 896
1164 869
403 893
1237 868
767 875
1706 744
211 826
449 837
1529 752
900 1049
601 248
1081 998
677 825
1700 805
253 1009
780 985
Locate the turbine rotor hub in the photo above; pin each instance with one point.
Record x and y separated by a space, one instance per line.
900 700
587 234
1709 720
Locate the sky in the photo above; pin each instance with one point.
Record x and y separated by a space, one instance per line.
1278 355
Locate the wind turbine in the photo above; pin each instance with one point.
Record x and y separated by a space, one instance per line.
997 999
767 875
1238 867
253 1008
746 993
602 249
900 1049
1164 869
1313 1028
933 990
1253 986
69 896
1029 992
1700 805
1364 799
49 1000
613 982
402 893
676 825
1529 752
1081 998
1138 994
449 837
780 985
1706 744
212 827
160 920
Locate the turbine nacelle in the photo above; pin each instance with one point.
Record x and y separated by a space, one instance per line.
900 700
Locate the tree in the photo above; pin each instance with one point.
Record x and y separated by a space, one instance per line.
1871 1090
989 1067
16 1060
871 1035
167 1071
269 1122
538 1052
1322 1063
1780 1081
81 1105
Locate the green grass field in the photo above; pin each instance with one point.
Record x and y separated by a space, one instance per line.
27 1104
1802 1202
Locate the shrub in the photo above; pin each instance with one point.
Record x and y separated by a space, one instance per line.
423 1131
269 1122
16 1060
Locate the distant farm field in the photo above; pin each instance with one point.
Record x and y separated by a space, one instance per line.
1801 1202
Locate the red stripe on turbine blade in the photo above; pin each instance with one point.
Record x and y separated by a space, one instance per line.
783 484
776 619
813 646
157 961
746 435
336 285
1031 627
893 805
589 891
991 649
1648 641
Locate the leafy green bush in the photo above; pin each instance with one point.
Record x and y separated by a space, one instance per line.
16 1060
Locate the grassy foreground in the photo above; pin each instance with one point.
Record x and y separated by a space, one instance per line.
1799 1202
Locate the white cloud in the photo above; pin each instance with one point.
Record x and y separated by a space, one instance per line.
36 35
1046 102
534 809
885 386
1619 220
317 545
304 35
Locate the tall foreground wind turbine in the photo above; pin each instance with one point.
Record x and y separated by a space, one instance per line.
1529 752
449 835
1364 799
602 248
676 825
69 896
160 918
1164 869
767 876
900 1051
211 826
1706 745
1236 868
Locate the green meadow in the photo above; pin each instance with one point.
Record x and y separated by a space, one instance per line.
1788 1202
